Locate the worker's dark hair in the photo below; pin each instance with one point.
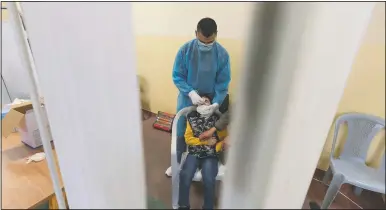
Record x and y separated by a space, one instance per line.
207 27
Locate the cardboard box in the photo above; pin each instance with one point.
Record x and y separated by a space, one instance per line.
22 117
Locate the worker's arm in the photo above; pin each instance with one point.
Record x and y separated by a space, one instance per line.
222 79
223 122
180 72
190 139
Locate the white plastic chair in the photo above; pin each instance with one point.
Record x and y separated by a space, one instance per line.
174 163
350 166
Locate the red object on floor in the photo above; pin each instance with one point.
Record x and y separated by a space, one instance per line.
164 121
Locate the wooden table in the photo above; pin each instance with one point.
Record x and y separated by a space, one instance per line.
24 186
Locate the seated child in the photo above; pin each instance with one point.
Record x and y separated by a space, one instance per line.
201 154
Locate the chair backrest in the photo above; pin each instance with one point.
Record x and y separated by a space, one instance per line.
182 112
362 129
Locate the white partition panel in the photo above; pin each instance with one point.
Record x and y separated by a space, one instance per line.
84 53
13 67
33 86
299 57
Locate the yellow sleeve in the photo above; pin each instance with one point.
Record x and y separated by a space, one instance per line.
219 146
221 135
189 137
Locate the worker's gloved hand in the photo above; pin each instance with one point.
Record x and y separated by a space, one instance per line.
213 108
196 99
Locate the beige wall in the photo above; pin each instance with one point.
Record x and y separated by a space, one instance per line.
365 88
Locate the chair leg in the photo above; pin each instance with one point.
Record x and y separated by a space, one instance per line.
327 176
332 190
176 168
175 182
357 190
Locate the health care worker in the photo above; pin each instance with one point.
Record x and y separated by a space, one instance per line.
201 67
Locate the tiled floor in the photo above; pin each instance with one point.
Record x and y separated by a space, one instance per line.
157 155
346 198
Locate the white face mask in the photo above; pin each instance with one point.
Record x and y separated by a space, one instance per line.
204 110
204 47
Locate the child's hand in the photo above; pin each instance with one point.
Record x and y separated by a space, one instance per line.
212 141
207 134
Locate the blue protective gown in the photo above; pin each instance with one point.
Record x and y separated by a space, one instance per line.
205 72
